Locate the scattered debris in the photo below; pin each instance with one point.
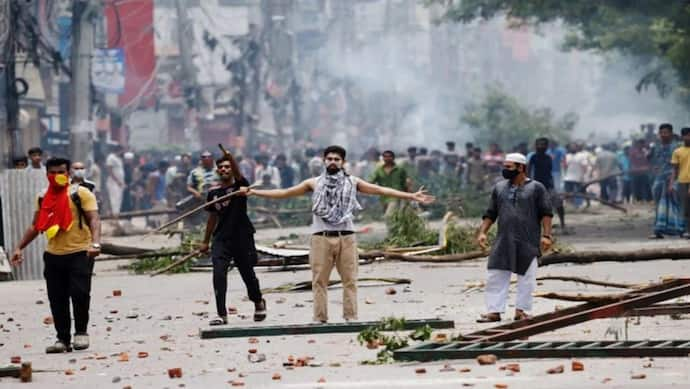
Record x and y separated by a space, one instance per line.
638 376
48 320
556 370
123 357
487 359
514 367
16 360
117 293
577 366
175 372
142 354
447 368
420 370
276 377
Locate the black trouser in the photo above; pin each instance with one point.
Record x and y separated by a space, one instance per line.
69 277
640 186
609 188
243 253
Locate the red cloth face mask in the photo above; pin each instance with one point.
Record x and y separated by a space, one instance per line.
55 214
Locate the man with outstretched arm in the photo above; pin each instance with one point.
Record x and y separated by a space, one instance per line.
233 239
522 207
333 243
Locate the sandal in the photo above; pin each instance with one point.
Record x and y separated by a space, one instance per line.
489 318
260 311
521 315
219 321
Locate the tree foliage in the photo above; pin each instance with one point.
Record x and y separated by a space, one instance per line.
656 33
500 118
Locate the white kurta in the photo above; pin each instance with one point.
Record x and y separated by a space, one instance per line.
498 283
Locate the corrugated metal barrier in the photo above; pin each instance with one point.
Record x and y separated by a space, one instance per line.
18 190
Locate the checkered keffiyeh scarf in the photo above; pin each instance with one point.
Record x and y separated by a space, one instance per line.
335 198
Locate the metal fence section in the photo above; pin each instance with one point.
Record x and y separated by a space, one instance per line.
19 190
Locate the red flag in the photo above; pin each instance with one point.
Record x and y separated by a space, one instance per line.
130 27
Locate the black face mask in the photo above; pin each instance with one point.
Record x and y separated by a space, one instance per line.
332 169
510 174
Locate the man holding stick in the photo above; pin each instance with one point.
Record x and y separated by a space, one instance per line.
522 208
233 238
333 243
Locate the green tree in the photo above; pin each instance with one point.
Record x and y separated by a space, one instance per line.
501 119
656 33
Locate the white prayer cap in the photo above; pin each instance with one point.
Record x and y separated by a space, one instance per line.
129 155
516 158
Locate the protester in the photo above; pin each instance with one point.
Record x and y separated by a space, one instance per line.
668 219
522 208
69 219
334 203
390 175
680 159
233 239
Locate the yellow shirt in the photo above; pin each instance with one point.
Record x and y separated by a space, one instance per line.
76 239
681 158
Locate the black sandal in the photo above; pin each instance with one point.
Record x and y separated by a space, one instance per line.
489 318
260 311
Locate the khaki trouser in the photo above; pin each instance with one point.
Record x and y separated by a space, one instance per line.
390 207
341 252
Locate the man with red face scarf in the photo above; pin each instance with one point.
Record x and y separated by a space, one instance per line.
68 216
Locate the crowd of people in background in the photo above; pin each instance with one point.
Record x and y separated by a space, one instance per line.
633 171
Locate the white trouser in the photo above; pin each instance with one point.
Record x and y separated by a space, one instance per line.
115 194
497 285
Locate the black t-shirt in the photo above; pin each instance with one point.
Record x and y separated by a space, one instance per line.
233 222
540 166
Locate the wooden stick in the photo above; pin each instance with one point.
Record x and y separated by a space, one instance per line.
306 285
598 180
176 263
195 210
148 212
594 198
586 257
588 281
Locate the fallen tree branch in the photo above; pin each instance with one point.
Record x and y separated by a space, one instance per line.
585 257
281 211
437 258
152 254
588 281
113 249
603 298
588 196
306 285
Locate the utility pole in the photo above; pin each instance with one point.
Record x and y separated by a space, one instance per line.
81 132
189 86
9 103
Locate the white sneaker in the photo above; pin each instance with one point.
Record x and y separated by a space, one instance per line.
81 341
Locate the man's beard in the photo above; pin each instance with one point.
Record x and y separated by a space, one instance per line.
332 169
